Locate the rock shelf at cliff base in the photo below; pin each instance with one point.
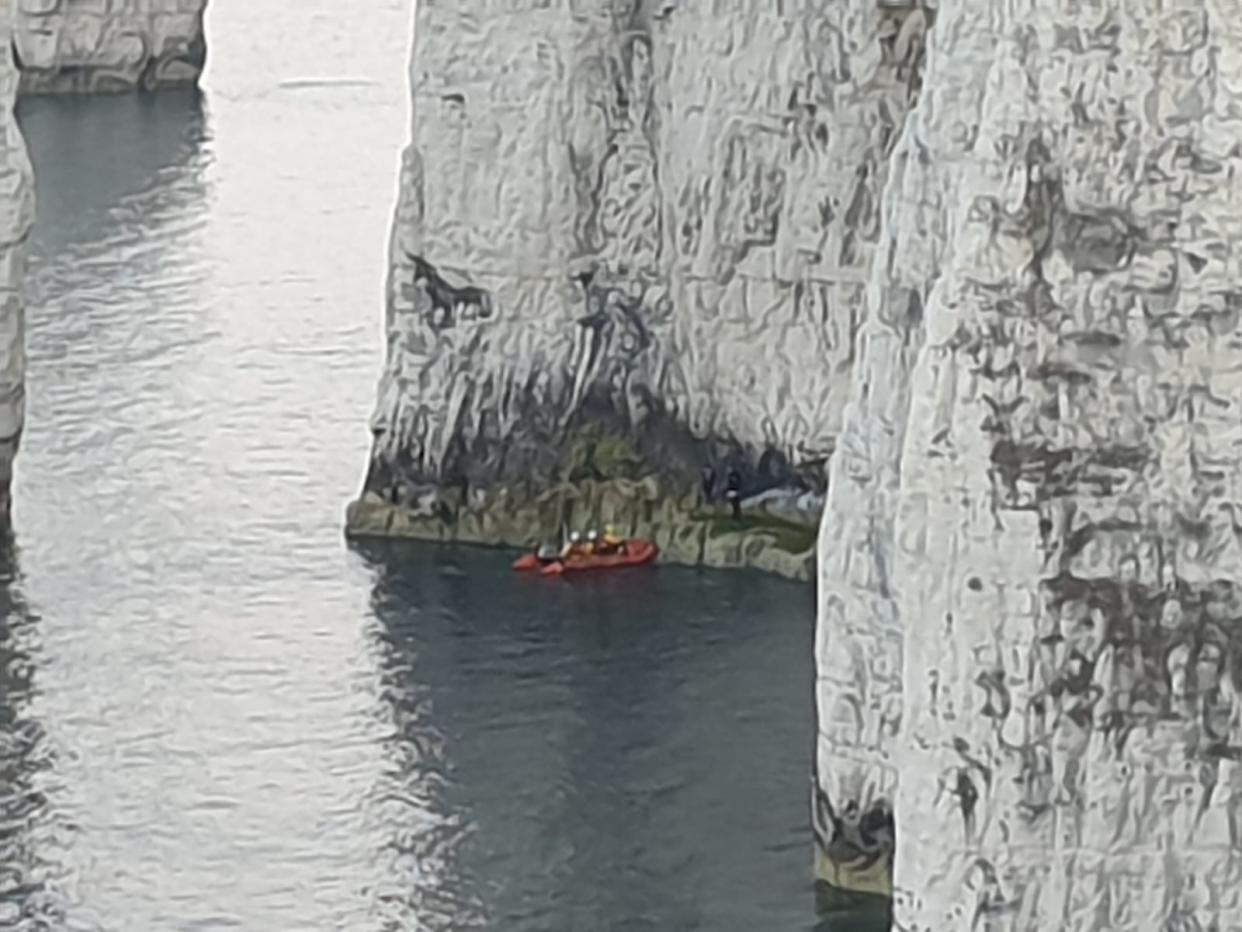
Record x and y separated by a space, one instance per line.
775 534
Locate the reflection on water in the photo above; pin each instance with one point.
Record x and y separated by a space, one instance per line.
215 715
96 156
622 752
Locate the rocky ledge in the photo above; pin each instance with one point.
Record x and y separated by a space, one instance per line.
603 484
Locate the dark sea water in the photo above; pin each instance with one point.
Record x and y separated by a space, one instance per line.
214 714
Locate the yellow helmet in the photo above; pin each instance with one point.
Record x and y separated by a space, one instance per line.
609 529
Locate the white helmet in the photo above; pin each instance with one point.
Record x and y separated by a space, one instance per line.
592 535
575 537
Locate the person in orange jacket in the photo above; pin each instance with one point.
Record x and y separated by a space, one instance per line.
610 543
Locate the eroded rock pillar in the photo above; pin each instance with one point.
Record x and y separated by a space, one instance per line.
16 217
1040 517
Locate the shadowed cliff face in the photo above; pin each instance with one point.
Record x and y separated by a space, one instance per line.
83 46
16 217
656 218
1030 637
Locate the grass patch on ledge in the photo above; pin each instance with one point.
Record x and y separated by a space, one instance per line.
786 535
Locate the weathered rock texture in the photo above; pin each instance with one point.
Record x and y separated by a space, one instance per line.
91 46
1031 632
652 216
16 217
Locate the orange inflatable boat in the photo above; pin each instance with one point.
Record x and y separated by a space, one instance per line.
630 553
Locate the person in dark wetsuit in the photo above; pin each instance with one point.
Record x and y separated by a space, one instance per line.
733 493
708 484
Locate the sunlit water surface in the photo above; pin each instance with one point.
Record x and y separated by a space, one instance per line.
216 715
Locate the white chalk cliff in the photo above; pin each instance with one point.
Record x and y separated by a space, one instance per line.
89 46
658 216
16 217
1005 231
1030 643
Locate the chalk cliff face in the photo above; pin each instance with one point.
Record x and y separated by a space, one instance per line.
1030 636
16 216
77 46
1015 256
656 217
